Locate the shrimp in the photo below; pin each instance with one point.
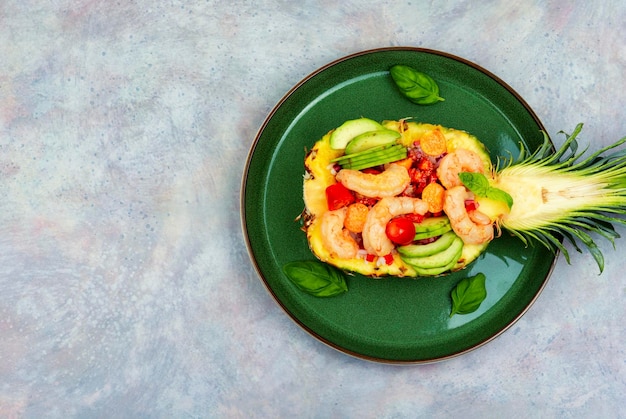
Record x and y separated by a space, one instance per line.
335 238
375 240
473 227
460 160
391 182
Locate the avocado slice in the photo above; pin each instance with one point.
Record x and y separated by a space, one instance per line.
438 260
372 139
371 158
342 135
422 250
428 234
436 271
432 224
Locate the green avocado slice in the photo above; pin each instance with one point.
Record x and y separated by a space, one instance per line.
432 224
342 135
427 234
422 250
436 271
441 259
372 139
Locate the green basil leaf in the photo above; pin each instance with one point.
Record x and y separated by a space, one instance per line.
500 195
475 182
479 185
416 86
468 294
316 278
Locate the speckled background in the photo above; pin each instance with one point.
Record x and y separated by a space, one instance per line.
125 286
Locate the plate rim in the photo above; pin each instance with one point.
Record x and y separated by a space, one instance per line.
243 198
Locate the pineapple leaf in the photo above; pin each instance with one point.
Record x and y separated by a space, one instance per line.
570 238
582 193
591 246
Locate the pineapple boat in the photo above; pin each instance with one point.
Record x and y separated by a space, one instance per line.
408 199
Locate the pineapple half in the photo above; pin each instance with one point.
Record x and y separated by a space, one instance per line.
318 176
556 194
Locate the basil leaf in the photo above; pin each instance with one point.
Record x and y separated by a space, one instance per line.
468 294
500 195
316 278
475 182
416 86
479 185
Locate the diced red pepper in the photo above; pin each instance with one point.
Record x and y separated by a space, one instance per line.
389 259
415 175
416 218
471 205
422 185
370 257
365 200
425 165
423 174
338 196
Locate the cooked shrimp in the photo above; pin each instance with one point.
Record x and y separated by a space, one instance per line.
473 227
375 239
335 238
391 182
458 161
479 218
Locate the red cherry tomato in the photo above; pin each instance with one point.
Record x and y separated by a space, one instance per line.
338 196
400 230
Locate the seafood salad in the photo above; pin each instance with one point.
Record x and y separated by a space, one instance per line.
386 199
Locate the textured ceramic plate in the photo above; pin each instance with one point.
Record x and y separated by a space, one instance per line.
396 320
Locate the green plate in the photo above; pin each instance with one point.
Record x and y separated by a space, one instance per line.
394 320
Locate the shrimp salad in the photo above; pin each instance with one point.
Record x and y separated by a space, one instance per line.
410 216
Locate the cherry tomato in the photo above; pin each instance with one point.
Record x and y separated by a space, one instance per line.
400 230
338 196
